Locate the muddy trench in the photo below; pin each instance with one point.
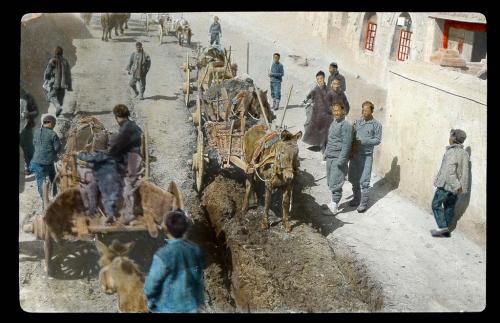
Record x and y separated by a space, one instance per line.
247 269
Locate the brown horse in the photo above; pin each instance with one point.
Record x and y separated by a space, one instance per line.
275 159
119 274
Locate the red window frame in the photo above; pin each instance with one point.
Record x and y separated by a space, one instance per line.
460 25
404 45
371 31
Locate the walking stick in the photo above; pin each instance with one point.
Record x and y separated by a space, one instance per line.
286 105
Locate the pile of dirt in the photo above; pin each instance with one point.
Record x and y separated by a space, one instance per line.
218 298
275 271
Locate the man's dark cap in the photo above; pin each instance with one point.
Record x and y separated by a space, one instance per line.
138 44
333 64
458 135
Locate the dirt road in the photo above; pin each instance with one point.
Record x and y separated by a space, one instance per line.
100 81
389 245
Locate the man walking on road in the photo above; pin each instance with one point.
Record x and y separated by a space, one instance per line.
175 281
215 32
276 75
57 78
368 133
335 75
451 181
138 66
47 145
337 153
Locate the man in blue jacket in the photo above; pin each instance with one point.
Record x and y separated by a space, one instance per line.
337 151
175 281
276 75
47 145
368 133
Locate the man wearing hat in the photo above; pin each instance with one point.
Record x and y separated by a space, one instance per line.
215 32
451 181
108 180
138 66
335 75
47 145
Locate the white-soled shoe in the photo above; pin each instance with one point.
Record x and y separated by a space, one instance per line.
333 207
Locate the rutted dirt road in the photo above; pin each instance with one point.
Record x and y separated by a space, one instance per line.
311 269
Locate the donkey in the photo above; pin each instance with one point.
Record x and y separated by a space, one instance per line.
276 162
121 275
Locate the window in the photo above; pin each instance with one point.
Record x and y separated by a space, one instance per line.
370 36
404 45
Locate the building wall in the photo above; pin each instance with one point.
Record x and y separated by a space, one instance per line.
417 117
416 101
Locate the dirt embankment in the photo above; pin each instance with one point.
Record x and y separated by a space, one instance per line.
274 271
40 36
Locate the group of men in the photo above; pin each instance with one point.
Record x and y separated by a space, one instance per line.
348 149
175 279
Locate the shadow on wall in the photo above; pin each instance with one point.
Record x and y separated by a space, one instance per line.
389 183
463 200
39 37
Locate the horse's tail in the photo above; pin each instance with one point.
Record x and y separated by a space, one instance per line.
172 188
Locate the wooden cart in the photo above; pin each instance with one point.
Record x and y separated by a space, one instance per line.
64 217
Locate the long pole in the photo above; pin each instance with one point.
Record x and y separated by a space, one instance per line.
248 55
286 105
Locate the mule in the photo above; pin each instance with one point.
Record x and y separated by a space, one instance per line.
121 275
275 158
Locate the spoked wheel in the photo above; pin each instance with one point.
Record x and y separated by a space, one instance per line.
47 250
186 97
198 157
197 113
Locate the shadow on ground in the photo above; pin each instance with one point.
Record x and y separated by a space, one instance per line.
79 259
161 97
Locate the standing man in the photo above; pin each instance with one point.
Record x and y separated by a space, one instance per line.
126 149
368 132
57 78
138 66
316 131
215 32
339 95
451 181
175 281
337 153
335 75
276 75
29 111
47 145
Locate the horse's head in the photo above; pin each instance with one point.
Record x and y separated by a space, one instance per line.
116 249
118 271
287 155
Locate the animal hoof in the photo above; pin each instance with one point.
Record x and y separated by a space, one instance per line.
264 225
288 227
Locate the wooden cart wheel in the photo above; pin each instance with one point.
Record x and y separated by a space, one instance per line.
198 162
47 249
197 112
186 97
225 102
